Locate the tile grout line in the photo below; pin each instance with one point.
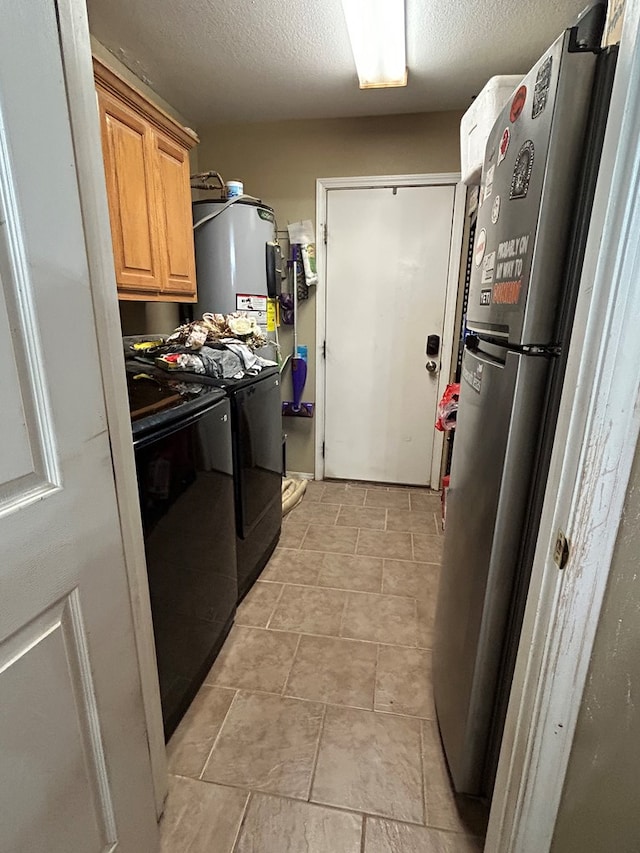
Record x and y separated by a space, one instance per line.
423 766
255 691
322 636
455 833
373 556
304 536
293 660
266 627
375 676
318 571
317 752
217 737
328 588
363 836
342 615
234 846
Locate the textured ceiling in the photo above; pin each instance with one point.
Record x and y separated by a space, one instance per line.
256 60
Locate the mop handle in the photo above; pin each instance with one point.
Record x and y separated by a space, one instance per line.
295 308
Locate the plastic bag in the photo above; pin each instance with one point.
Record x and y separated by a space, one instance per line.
286 308
448 408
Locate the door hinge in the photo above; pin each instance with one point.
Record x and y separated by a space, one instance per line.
324 349
323 449
324 233
561 550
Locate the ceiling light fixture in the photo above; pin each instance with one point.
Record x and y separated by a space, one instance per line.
376 32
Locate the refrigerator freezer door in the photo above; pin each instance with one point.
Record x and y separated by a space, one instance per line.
496 441
528 195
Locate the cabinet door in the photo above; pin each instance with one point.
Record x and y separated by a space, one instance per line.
171 167
127 142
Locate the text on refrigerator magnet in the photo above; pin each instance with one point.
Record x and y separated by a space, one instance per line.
488 267
514 248
495 209
517 104
522 171
488 185
541 89
481 245
507 292
485 296
473 377
504 145
510 269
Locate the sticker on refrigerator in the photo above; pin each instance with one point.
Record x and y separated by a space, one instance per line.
506 292
254 305
481 245
504 144
473 377
517 104
488 268
485 296
541 89
522 171
511 257
495 209
488 184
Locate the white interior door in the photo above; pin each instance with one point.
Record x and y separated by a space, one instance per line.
387 263
75 774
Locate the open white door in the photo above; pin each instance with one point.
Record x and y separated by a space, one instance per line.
75 772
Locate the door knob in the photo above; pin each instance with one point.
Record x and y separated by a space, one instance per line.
431 366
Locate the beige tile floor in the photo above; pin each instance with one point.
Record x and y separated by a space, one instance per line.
315 730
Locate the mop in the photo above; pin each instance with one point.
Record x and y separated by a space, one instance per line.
295 408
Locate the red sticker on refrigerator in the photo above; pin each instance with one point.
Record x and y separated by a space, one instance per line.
517 104
481 245
504 145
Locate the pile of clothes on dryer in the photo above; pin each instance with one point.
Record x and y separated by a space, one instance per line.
223 346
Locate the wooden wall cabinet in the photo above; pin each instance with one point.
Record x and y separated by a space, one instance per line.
146 157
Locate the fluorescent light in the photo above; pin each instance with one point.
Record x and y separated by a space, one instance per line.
376 31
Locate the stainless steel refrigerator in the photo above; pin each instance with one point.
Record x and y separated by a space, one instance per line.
537 189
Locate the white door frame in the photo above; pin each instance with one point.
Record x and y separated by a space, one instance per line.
448 333
85 129
598 427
